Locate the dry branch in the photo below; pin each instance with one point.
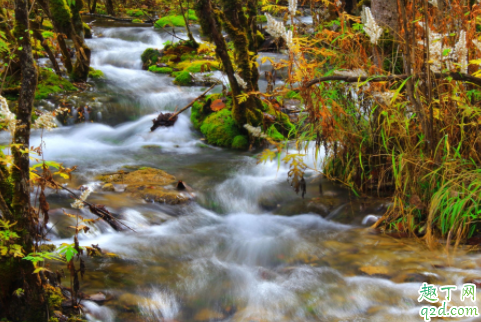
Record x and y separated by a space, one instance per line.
348 79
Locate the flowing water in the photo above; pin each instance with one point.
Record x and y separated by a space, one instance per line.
248 248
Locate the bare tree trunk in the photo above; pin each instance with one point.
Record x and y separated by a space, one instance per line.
385 12
94 7
35 26
187 27
110 7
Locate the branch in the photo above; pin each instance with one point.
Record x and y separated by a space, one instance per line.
110 17
192 103
348 79
106 216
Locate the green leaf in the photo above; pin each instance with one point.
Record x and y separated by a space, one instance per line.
20 48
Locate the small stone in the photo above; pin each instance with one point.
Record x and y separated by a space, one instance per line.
99 297
108 187
208 315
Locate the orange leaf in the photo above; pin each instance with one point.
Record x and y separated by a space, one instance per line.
217 105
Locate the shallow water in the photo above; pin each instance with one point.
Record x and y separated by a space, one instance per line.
248 248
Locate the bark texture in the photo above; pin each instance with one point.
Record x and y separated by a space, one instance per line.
385 12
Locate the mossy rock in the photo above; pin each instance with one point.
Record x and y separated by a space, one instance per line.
51 83
150 56
150 184
95 73
198 66
143 176
241 142
160 70
220 129
183 78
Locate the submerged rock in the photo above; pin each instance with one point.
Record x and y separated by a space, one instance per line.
149 184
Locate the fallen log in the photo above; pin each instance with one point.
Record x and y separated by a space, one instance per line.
169 119
96 15
373 78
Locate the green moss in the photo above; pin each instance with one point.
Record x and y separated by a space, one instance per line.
241 142
47 34
95 73
135 13
62 14
137 21
160 70
87 30
50 83
150 56
170 21
261 19
183 79
198 66
186 57
220 129
192 16
196 115
55 298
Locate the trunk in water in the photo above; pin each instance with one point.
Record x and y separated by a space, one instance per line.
17 273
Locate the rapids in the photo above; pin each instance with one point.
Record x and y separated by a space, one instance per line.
248 248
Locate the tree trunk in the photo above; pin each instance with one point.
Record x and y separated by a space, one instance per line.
35 26
238 27
110 7
64 19
187 27
31 307
94 7
212 28
385 12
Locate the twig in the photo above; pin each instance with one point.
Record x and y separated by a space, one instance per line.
176 36
191 103
91 205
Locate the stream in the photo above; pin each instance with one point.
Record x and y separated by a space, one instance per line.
248 248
